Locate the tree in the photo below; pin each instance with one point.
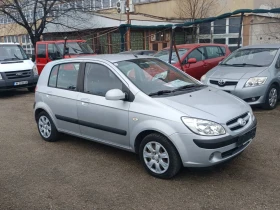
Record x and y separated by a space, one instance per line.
195 9
34 15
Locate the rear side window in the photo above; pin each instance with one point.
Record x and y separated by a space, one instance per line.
198 54
214 52
41 51
64 76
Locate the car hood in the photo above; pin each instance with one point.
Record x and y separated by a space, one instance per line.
208 103
235 73
19 65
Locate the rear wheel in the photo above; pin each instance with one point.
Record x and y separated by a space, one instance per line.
159 156
271 98
46 127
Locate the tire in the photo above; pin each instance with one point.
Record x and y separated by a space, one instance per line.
168 165
271 98
31 89
49 132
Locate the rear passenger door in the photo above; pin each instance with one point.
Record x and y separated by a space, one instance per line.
62 94
214 55
197 69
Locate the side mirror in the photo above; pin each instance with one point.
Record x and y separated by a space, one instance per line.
192 60
115 95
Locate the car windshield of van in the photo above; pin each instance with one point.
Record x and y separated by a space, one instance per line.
76 48
256 57
157 78
12 52
164 55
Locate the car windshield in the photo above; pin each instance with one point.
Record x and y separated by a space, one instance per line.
155 77
251 57
76 48
164 55
12 52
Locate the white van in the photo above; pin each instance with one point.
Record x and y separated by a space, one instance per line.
16 69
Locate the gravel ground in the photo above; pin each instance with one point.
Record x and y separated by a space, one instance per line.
79 174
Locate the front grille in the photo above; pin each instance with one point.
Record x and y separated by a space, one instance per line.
18 74
234 124
227 83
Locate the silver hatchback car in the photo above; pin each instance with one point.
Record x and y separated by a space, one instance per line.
252 73
143 105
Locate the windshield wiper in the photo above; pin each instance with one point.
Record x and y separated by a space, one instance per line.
11 59
161 92
187 87
225 64
246 64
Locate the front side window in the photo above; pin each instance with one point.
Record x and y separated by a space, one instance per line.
214 52
53 52
41 50
155 77
164 55
12 52
198 54
64 76
99 80
251 57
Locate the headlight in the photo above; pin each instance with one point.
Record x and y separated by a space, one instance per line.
203 127
203 78
35 70
255 81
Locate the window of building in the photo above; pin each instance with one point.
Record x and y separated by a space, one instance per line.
99 80
233 41
234 24
220 26
67 76
204 40
220 41
205 28
198 54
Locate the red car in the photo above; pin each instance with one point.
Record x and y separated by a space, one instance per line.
47 51
196 59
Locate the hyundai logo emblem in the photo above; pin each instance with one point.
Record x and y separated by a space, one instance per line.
242 122
221 82
18 74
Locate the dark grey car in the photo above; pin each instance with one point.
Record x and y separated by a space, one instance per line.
252 73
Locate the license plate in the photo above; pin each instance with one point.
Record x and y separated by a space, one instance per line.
20 83
242 140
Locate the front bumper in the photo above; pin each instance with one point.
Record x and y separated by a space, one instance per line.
252 95
198 151
9 84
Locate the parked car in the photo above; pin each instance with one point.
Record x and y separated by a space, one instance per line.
196 59
140 52
252 73
16 69
169 121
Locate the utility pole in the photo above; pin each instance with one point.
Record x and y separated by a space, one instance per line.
128 29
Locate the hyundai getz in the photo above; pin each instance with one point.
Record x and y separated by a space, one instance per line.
170 119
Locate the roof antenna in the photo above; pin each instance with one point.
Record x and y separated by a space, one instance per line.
135 56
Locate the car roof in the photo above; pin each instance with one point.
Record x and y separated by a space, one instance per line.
110 57
190 46
262 46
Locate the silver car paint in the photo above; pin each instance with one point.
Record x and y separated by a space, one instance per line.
242 74
144 114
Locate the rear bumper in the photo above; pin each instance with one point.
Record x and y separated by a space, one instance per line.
9 84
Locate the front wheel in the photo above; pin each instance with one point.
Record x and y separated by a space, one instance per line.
159 156
271 98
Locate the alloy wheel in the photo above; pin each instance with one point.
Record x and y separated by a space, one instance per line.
273 96
45 126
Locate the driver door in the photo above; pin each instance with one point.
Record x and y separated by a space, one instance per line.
100 119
